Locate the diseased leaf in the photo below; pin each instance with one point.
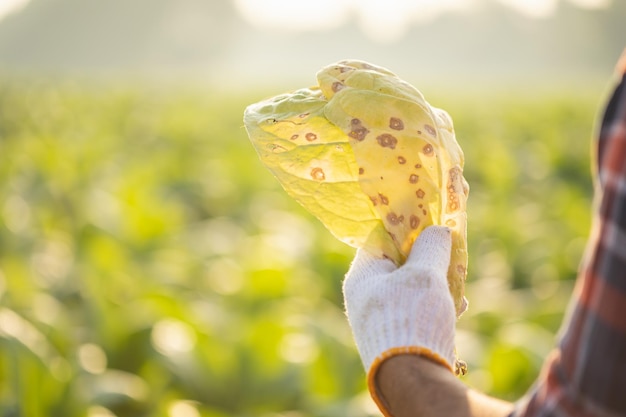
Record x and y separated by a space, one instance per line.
368 156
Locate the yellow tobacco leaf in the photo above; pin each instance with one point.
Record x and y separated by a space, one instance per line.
368 156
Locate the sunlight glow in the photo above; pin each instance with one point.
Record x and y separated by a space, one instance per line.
388 21
11 6
383 21
533 8
299 348
591 4
295 15
92 358
171 337
182 408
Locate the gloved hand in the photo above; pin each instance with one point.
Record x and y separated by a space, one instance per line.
405 310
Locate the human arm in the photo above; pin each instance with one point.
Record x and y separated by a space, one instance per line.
403 322
585 375
412 385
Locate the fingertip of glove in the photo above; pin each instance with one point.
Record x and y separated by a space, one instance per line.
432 245
436 230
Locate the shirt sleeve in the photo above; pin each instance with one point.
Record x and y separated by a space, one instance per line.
585 375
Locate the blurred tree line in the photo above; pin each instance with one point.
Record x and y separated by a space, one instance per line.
211 40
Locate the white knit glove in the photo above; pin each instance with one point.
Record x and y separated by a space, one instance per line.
403 310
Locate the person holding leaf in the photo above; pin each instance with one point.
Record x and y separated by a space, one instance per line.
403 319
380 167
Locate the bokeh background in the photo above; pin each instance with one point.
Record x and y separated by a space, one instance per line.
151 266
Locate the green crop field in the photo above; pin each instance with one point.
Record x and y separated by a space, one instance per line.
151 266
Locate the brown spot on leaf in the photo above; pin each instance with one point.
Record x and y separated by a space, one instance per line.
374 200
310 136
418 166
317 173
455 184
294 137
431 130
396 124
361 171
383 199
428 150
401 160
394 219
414 221
413 178
359 134
358 131
454 187
387 141
303 115
277 148
337 86
420 193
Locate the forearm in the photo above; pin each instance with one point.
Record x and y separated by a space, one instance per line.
413 386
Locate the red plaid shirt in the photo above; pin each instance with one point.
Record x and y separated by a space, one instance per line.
586 374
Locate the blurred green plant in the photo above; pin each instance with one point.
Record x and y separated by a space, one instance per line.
150 266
